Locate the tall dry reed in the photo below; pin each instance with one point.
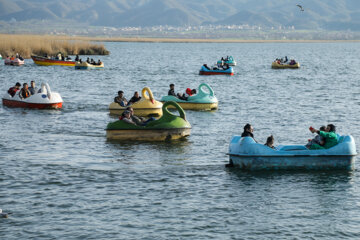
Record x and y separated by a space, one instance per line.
27 45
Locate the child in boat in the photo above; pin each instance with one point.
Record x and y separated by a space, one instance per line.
134 99
120 99
317 139
270 142
12 91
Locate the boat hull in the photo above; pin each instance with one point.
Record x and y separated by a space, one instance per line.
20 104
42 61
215 73
256 163
284 66
148 134
14 62
87 66
197 106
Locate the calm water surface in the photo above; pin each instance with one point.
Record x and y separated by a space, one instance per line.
62 179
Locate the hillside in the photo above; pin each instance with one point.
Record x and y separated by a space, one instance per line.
317 14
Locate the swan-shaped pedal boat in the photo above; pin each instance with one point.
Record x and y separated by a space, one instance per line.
14 61
245 153
146 107
230 61
277 65
46 99
216 71
168 127
202 101
87 66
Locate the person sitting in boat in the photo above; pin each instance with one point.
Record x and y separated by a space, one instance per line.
88 60
99 62
187 94
126 117
93 62
317 139
331 139
120 99
68 58
278 61
225 66
140 121
285 60
24 92
12 91
77 58
134 98
171 91
292 62
32 88
270 142
248 131
206 66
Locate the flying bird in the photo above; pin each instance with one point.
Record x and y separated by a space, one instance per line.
301 8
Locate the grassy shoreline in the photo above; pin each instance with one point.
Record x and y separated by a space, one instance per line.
27 45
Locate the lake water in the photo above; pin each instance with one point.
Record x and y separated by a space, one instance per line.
62 179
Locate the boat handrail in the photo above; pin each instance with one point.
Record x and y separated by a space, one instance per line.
177 106
147 94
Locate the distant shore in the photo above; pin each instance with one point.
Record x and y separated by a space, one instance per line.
190 40
27 45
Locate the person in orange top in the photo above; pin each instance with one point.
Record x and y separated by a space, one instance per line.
24 92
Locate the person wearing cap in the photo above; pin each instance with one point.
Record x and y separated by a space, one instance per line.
126 117
32 88
12 91
120 99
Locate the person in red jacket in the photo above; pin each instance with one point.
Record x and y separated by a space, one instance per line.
12 91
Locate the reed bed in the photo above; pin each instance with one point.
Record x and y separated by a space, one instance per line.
27 45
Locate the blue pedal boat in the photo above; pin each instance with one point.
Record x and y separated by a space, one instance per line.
245 153
216 71
230 61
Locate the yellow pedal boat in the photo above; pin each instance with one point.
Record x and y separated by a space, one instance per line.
276 65
86 66
168 127
146 107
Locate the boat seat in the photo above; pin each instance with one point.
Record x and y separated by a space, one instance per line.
292 148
